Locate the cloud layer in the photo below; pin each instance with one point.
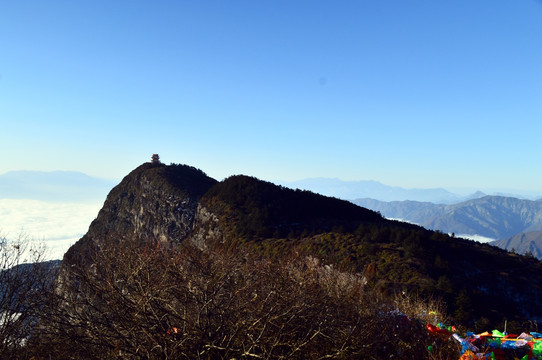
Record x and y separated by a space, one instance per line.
58 225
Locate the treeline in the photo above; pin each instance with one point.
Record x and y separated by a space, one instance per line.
143 301
482 286
250 208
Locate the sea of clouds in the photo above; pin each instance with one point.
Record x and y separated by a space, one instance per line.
58 225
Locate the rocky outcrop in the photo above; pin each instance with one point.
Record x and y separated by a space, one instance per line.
153 202
206 228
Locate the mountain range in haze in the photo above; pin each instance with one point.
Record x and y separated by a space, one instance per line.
350 190
67 186
516 224
496 217
77 186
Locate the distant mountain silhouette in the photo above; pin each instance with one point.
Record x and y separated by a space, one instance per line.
53 186
350 190
495 217
528 242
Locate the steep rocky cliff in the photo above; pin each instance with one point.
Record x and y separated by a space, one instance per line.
153 202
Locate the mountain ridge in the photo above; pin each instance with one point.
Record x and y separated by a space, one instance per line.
523 243
362 188
350 190
179 203
495 217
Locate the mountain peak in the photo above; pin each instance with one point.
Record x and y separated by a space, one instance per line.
178 203
153 202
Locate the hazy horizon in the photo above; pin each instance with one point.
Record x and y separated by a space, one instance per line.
462 191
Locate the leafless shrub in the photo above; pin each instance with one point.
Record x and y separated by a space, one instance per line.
24 279
157 302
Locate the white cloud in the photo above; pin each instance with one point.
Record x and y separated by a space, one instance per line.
479 238
58 225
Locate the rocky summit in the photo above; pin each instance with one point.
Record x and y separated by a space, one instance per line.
153 202
175 204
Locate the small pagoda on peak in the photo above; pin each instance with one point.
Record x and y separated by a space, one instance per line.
155 159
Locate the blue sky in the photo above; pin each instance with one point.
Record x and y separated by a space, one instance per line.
410 93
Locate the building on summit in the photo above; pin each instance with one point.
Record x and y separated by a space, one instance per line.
155 159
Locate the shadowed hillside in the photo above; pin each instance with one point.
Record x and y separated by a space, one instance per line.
479 284
249 208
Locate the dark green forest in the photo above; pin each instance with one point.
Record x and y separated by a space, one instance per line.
481 285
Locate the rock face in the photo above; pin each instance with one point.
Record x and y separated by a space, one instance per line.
153 202
207 227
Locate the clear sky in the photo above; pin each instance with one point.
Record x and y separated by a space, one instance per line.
410 93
